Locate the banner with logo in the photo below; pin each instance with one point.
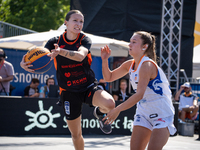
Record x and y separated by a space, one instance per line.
32 116
23 78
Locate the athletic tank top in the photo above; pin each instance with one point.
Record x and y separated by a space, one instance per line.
157 96
72 75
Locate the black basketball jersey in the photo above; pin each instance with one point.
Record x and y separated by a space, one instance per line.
72 75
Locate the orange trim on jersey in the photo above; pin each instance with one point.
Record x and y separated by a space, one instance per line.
132 64
82 38
55 63
58 40
89 58
187 94
61 89
138 63
70 43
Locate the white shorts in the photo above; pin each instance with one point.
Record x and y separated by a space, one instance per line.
151 124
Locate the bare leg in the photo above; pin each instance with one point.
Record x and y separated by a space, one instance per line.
140 138
182 116
159 138
104 100
76 133
194 111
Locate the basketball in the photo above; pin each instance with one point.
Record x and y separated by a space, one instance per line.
39 59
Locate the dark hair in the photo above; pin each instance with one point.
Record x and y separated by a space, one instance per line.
50 79
72 12
2 55
35 80
150 40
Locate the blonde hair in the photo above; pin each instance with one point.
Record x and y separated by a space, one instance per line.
150 40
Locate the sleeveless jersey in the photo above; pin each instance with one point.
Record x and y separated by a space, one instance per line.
156 101
72 75
186 100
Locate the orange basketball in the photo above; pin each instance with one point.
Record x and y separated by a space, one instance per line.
39 59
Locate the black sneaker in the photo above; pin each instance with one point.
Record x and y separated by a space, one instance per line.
106 128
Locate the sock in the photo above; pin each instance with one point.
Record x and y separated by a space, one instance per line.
99 112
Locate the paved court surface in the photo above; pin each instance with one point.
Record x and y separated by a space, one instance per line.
92 142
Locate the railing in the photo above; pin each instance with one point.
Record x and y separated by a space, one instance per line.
8 30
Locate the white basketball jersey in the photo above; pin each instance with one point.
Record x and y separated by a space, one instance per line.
157 97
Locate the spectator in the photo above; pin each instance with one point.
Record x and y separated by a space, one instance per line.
188 102
44 90
6 74
32 90
122 94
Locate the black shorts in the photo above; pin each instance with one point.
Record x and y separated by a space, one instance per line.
72 101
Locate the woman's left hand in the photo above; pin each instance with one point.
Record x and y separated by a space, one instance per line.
111 116
54 52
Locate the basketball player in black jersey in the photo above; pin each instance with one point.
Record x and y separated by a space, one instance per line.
72 60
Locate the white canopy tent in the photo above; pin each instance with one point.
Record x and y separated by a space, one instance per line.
26 42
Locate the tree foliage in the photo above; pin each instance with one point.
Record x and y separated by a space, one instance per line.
38 15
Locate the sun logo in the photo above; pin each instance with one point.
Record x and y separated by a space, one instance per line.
41 119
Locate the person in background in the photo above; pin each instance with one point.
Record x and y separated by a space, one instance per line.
44 90
188 102
6 74
122 94
32 90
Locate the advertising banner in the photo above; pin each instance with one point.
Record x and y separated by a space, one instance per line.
32 116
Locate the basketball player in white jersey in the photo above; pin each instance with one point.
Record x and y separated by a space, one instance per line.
153 121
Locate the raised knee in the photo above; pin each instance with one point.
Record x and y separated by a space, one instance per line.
111 104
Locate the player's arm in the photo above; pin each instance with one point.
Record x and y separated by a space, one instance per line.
147 72
119 72
73 55
79 55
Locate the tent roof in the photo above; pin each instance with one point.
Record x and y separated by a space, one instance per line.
25 42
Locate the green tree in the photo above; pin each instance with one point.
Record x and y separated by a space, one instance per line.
38 15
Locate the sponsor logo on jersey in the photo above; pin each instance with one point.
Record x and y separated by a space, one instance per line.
76 73
135 77
72 65
79 81
67 74
156 86
69 83
160 119
62 46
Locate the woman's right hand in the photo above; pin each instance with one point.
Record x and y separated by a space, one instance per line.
105 52
25 65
